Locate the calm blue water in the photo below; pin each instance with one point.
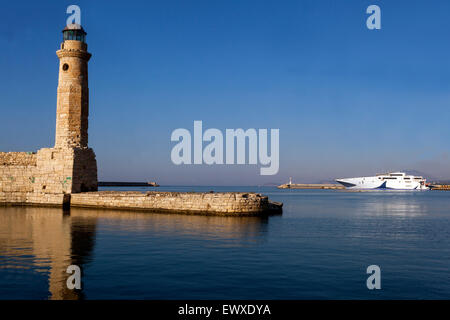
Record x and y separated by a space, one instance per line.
319 248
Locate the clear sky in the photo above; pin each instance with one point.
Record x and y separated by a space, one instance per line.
348 101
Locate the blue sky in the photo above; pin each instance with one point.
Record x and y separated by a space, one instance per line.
348 101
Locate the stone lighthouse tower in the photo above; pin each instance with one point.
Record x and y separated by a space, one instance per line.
73 91
70 166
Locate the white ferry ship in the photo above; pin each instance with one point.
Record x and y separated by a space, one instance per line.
391 180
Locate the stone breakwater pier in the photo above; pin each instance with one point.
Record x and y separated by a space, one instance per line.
223 203
66 175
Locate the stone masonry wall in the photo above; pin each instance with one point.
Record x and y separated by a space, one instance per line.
84 170
46 176
54 171
216 203
17 158
66 170
17 175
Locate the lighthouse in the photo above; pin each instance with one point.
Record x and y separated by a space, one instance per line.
73 91
70 166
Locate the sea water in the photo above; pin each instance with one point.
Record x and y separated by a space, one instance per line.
318 248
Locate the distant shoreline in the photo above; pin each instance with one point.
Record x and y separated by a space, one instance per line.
310 186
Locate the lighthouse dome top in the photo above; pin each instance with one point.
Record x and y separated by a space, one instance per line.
74 32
